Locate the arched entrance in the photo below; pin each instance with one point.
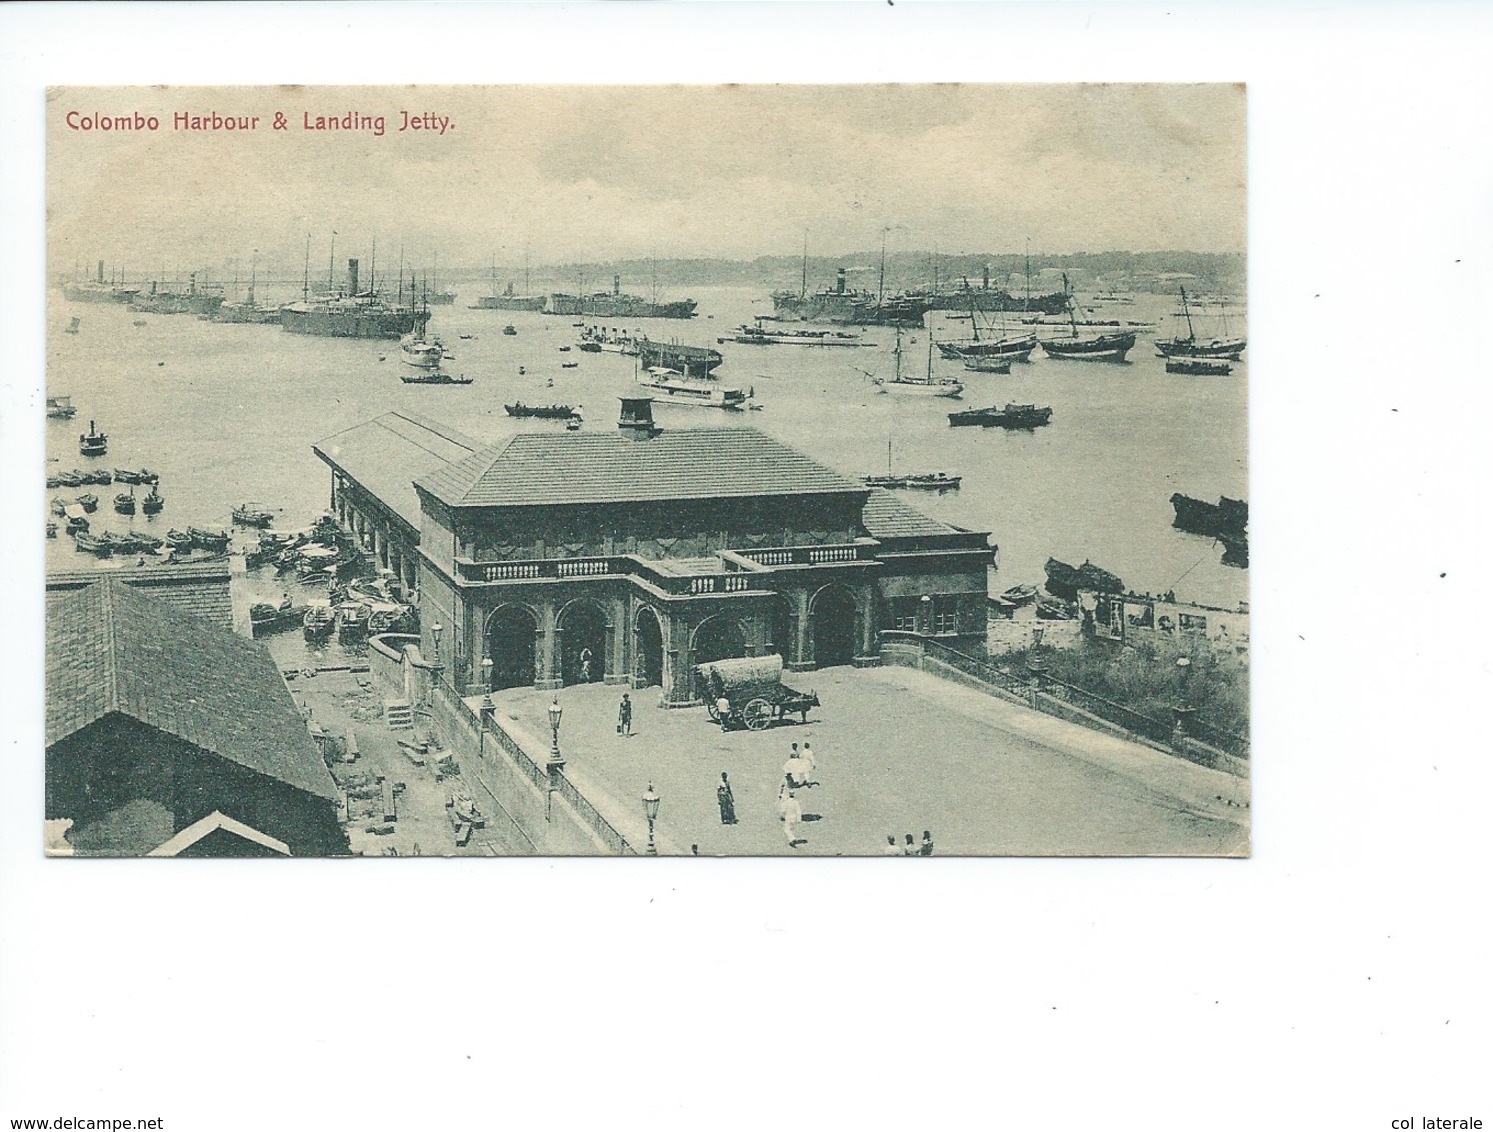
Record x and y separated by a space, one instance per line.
648 654
510 642
583 647
716 638
832 624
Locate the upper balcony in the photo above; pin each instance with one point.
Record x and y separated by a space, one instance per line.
728 572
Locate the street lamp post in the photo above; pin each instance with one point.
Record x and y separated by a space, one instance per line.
1034 663
488 709
435 633
925 603
1183 713
650 811
556 761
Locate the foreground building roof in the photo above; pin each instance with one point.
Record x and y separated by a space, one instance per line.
536 469
198 588
111 649
387 454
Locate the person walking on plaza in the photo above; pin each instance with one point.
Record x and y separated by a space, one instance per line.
926 848
585 666
624 716
891 849
807 758
910 849
727 801
792 814
795 770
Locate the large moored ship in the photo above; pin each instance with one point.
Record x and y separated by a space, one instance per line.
614 304
194 300
356 314
90 291
848 306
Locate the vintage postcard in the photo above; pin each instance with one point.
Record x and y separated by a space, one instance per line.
678 470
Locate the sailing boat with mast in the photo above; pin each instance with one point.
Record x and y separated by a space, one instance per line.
990 355
915 481
1191 346
1103 347
926 386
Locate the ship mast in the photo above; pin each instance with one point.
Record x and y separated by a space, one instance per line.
803 279
1026 305
881 279
401 275
332 265
253 272
306 273
1187 314
373 268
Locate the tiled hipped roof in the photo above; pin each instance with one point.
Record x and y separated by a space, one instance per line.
112 649
886 517
386 455
698 463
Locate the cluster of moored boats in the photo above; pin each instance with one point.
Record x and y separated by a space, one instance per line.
1227 521
1057 600
176 546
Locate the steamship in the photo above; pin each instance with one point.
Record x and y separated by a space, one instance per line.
842 304
97 291
196 300
352 314
614 304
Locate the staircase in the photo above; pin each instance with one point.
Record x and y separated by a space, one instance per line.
398 715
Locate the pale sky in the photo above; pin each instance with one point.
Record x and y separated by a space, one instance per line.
594 173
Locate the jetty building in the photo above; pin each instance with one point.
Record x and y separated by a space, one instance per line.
632 556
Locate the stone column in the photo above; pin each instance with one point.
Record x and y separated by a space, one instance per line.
867 651
616 669
476 638
677 661
800 655
547 651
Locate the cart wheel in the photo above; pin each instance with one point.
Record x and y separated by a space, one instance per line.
710 707
757 715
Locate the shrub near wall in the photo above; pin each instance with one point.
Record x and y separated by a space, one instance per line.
1148 681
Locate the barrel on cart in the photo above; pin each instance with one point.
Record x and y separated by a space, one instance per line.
749 692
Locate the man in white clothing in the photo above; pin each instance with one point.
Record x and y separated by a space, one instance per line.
792 814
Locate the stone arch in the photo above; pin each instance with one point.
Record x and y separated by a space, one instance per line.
834 618
583 641
511 630
648 648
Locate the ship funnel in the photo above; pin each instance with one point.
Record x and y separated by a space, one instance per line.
840 282
637 417
616 284
192 283
352 277
100 271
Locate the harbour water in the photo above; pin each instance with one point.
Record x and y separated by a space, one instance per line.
228 412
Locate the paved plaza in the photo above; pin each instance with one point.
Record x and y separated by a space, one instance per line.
898 752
